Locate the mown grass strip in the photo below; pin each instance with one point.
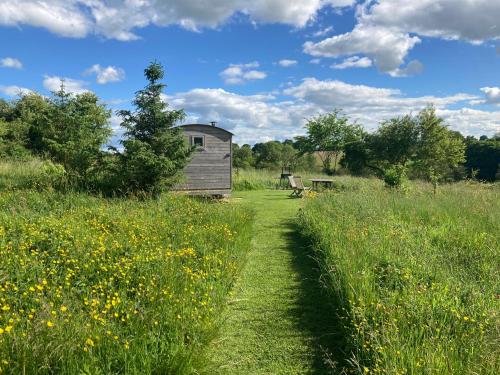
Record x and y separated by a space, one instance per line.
278 322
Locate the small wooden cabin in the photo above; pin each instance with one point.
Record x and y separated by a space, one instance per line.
210 169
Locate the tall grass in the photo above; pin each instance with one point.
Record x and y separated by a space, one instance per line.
31 174
99 286
260 179
414 277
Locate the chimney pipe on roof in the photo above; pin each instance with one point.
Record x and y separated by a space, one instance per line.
213 123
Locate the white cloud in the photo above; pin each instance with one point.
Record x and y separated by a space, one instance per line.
15 90
315 61
333 93
287 63
237 74
106 74
472 121
323 32
62 17
387 30
256 118
53 83
118 19
252 118
492 95
10 62
414 67
469 20
353 62
387 48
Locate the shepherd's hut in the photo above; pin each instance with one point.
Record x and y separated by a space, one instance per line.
210 169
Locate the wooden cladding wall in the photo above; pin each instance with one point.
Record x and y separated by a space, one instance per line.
210 166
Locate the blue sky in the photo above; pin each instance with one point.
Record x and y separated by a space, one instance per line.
262 67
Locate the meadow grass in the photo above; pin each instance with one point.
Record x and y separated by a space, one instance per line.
261 179
31 174
96 286
414 276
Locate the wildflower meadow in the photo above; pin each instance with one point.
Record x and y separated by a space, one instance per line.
96 286
413 276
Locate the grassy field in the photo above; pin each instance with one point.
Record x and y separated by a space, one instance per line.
97 286
30 174
409 281
260 179
414 277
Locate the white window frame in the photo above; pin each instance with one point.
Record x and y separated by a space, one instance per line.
198 146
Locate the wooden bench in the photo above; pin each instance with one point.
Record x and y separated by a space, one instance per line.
297 185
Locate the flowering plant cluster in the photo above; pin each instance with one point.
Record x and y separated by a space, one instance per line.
113 286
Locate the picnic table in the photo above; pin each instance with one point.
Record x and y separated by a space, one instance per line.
325 182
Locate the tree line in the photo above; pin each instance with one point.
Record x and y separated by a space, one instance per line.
411 146
74 131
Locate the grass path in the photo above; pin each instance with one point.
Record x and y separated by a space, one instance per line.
276 320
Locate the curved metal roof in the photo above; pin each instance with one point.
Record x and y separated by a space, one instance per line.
205 125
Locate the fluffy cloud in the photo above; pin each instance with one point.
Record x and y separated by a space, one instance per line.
492 95
53 83
353 62
256 118
323 32
106 74
14 90
237 74
387 48
252 118
63 17
414 67
287 63
117 19
387 30
472 121
373 101
10 62
474 21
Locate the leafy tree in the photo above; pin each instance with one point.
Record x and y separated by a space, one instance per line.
356 157
483 158
327 136
389 151
421 145
15 120
267 155
288 155
69 129
154 151
439 150
242 156
395 142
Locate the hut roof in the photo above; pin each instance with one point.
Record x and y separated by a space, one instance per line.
205 125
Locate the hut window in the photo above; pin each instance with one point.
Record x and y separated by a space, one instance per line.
198 141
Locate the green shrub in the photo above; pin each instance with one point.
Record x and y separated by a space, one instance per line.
395 176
